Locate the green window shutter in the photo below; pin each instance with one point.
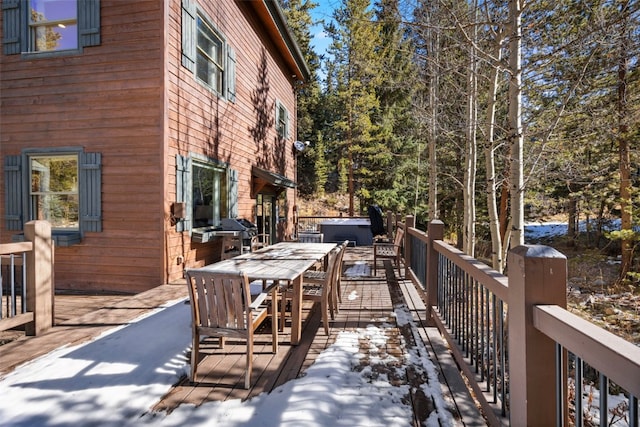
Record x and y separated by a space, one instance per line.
231 74
89 22
14 27
287 127
90 192
189 35
183 190
233 193
13 192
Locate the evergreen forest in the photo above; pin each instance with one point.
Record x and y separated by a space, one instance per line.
483 114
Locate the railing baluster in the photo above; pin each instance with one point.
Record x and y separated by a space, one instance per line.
559 386
579 402
633 411
503 361
1 287
24 282
604 401
13 285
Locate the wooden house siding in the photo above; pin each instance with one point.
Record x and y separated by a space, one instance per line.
107 99
131 100
202 122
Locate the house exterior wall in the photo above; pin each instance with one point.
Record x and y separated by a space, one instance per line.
131 100
241 133
107 99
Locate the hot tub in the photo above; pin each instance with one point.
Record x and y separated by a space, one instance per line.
356 230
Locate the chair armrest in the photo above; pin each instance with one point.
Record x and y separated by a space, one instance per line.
259 299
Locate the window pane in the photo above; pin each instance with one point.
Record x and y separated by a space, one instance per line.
54 24
209 196
209 65
54 190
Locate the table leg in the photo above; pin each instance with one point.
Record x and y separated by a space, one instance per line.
296 311
274 318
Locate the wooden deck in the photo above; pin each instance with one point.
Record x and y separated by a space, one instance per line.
366 300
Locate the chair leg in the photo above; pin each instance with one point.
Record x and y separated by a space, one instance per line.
283 310
195 349
325 314
247 376
274 319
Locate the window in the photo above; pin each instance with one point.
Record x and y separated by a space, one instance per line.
53 25
62 186
206 53
209 195
282 121
54 190
49 26
209 58
208 188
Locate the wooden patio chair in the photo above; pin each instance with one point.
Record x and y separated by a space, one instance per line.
318 292
391 251
259 241
317 277
222 306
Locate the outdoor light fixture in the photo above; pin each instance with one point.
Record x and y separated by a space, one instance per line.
301 145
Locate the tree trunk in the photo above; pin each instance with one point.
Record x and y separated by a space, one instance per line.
515 135
494 219
623 147
469 188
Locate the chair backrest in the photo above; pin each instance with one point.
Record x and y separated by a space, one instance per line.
337 273
260 241
220 300
332 264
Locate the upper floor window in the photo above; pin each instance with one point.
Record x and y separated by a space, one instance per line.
206 53
49 26
210 56
53 25
282 121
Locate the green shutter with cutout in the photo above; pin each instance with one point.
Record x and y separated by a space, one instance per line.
13 192
183 190
90 192
89 23
14 27
231 74
189 35
232 187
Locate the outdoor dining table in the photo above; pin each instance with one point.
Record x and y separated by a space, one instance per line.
283 261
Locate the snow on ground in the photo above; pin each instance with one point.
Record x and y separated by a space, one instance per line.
115 379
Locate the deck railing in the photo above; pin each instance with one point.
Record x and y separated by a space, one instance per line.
524 354
26 281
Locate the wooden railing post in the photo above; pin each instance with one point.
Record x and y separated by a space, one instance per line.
435 231
39 277
409 222
537 275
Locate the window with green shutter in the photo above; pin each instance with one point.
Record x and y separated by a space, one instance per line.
61 186
206 53
49 26
209 190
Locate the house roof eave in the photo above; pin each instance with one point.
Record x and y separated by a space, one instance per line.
271 15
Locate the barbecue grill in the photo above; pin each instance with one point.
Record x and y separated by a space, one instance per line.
246 227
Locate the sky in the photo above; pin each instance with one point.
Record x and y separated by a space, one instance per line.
323 12
116 378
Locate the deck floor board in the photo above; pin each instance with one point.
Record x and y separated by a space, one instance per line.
366 301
